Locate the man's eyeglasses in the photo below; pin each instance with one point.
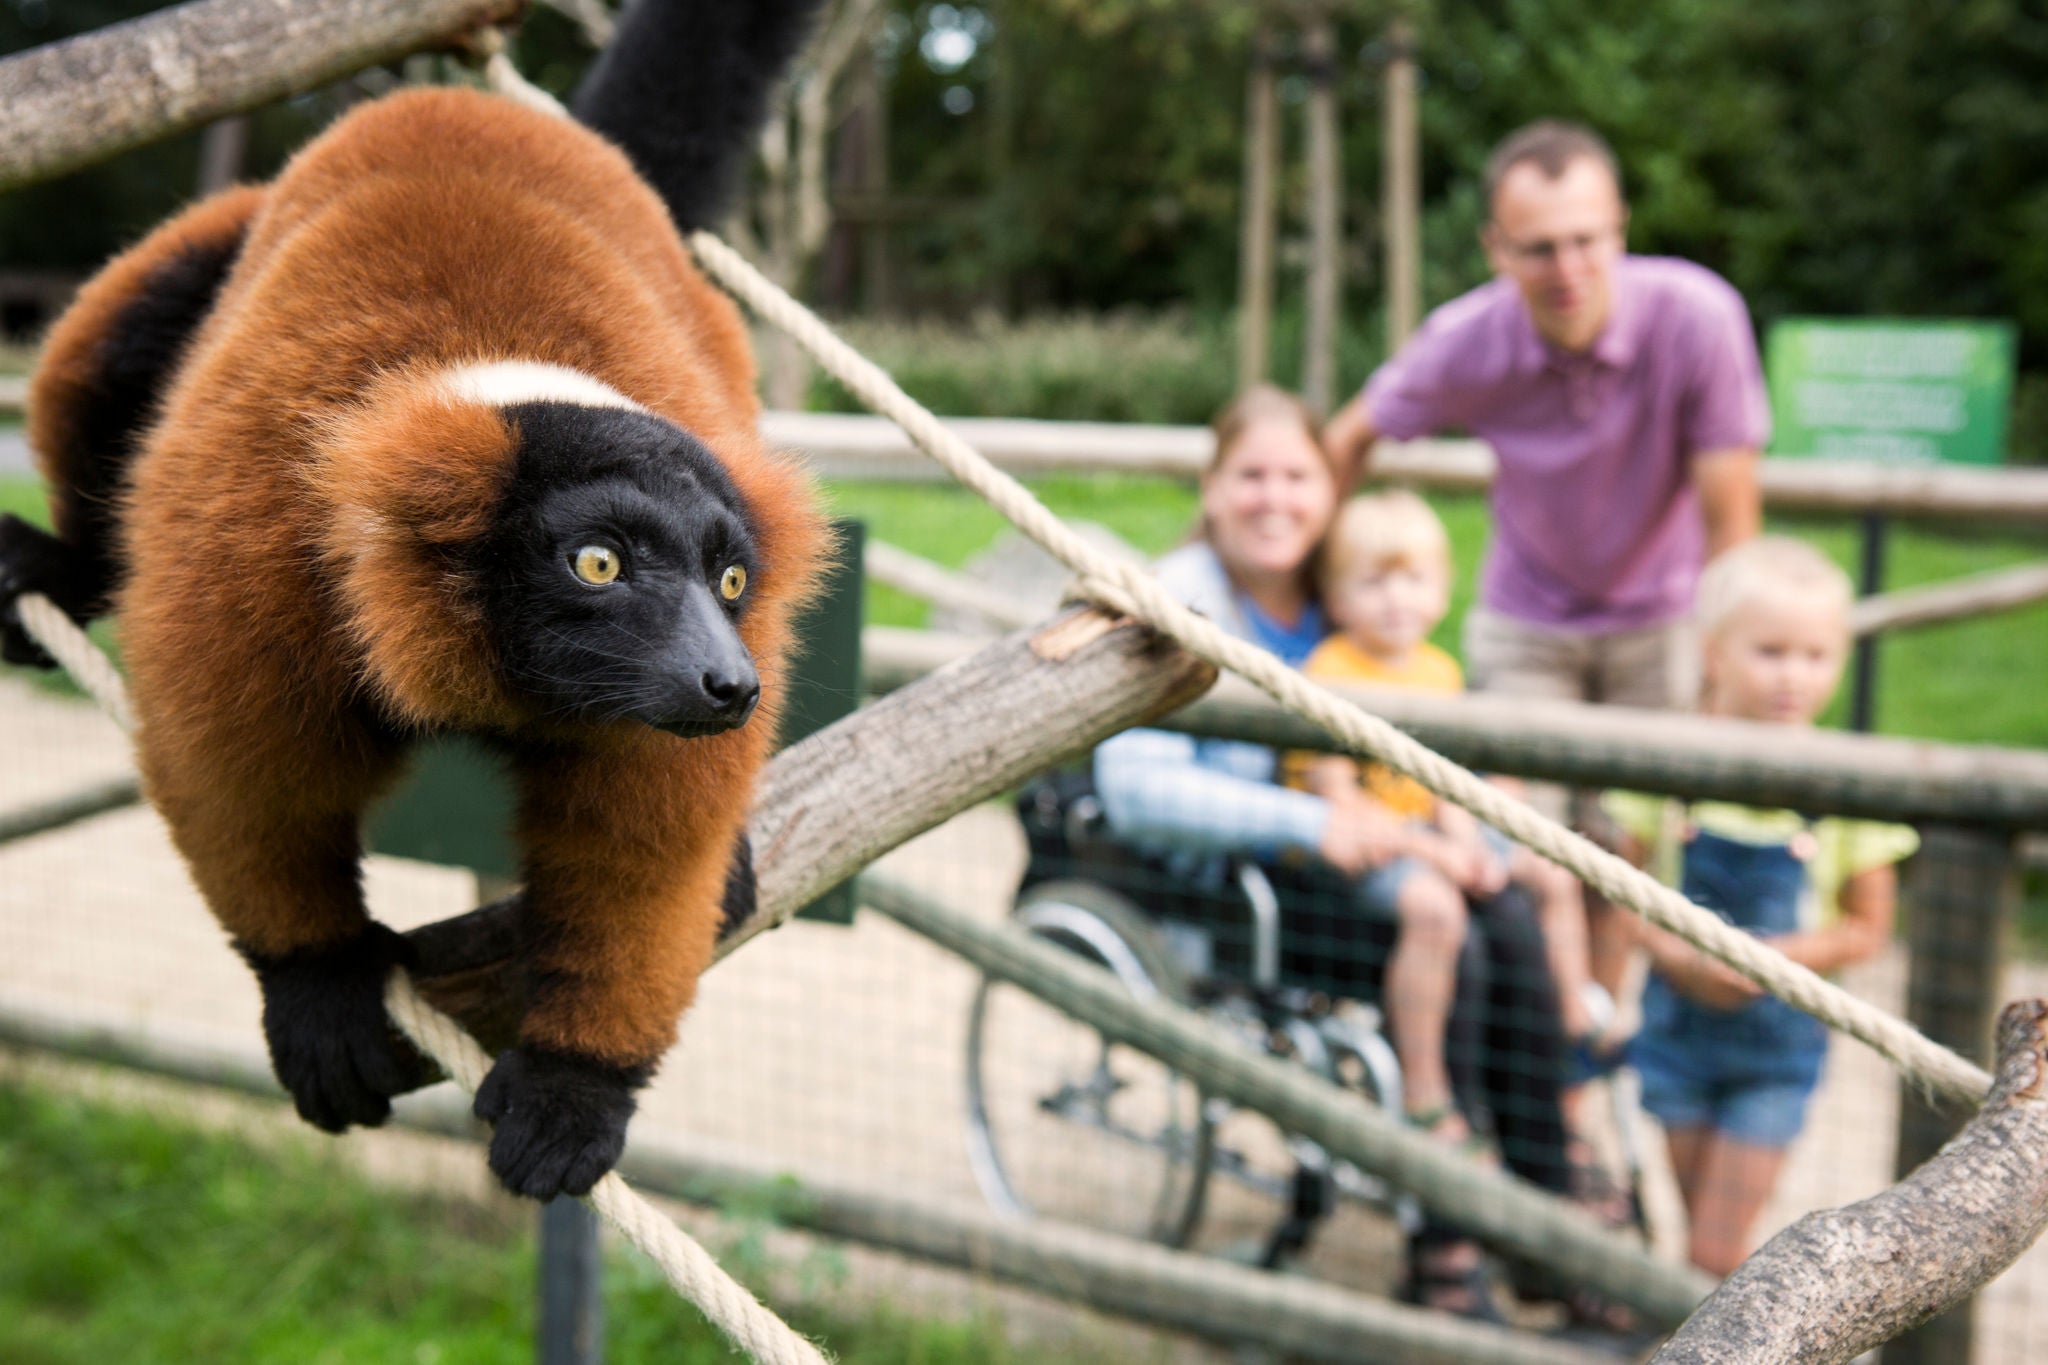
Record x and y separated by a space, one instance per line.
1550 250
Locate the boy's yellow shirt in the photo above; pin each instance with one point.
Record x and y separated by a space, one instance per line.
1427 669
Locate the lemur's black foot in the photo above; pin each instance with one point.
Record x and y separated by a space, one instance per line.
559 1120
33 560
331 1043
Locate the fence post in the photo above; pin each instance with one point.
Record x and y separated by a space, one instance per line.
1963 893
571 1329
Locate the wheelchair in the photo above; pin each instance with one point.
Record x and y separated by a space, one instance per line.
1063 1123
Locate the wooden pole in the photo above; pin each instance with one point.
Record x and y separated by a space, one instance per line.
1401 185
1973 595
1500 1209
1326 198
1963 898
68 104
846 445
1841 1281
1255 252
1749 762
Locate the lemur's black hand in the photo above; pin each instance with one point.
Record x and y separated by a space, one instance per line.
559 1120
32 560
331 1043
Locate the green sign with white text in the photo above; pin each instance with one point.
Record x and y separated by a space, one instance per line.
1896 391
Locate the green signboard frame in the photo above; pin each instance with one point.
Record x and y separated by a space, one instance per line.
1892 390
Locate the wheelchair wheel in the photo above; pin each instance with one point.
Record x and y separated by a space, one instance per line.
1061 1122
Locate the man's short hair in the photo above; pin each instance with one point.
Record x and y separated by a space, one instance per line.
1553 145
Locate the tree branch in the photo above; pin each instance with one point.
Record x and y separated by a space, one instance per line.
1841 1281
68 104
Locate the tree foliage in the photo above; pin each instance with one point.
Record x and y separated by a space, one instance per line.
1833 156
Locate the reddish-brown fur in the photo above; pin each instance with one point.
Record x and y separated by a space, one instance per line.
288 612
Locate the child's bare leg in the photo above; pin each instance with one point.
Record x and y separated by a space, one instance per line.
1421 979
1561 909
1732 1181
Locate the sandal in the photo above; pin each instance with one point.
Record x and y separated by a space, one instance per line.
1447 1271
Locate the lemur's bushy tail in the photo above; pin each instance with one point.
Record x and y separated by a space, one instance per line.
683 87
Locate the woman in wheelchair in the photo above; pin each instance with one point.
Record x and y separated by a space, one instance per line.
1460 974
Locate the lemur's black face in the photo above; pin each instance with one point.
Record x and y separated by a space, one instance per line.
619 570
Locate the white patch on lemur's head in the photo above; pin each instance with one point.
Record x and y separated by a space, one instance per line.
504 383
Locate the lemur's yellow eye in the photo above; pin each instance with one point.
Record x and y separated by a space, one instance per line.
733 584
598 564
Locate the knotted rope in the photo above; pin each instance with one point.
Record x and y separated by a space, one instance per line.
686 1265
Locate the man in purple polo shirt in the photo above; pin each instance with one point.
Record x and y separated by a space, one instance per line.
1623 399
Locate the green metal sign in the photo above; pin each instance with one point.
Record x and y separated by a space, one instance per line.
1892 390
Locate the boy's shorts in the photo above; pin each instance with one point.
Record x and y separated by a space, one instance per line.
1760 1113
1379 890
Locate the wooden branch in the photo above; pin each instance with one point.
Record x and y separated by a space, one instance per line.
1841 1281
873 447
833 803
1615 746
68 104
1497 1207
1974 595
920 577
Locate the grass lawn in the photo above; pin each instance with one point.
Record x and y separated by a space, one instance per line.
148 1241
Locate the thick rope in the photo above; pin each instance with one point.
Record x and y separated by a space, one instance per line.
688 1267
72 648
1133 591
749 1326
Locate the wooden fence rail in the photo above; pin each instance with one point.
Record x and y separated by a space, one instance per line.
843 445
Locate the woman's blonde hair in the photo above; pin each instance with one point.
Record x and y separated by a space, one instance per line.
1394 526
1769 568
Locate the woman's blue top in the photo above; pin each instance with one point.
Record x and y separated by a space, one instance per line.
1180 793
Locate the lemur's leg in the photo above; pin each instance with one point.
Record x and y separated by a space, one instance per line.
266 808
628 859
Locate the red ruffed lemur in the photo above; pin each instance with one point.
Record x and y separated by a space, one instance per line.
442 431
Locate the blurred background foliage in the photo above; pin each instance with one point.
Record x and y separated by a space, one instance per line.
1080 157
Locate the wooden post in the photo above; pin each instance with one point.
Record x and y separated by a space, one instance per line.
1326 201
222 148
1963 893
877 278
1255 252
1401 185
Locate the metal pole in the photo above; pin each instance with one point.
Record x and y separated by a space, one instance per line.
571 1328
1863 684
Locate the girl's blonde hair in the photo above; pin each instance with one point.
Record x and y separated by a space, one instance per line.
1769 568
1394 526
